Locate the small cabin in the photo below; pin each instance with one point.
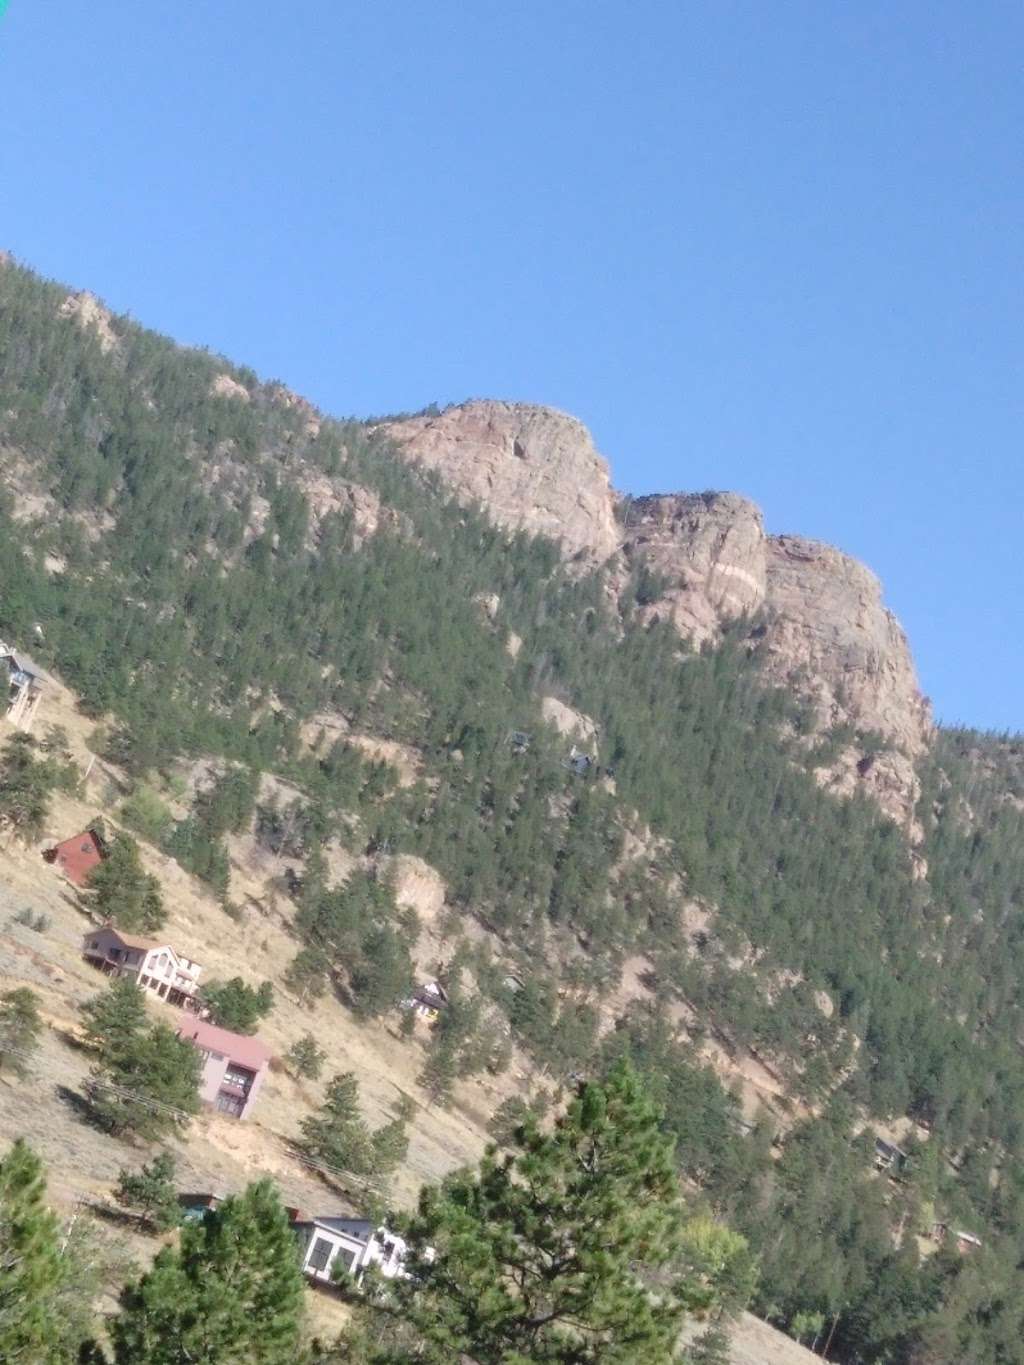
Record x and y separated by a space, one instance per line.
76 857
890 1158
427 1000
195 1206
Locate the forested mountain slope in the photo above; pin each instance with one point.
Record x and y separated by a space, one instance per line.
803 872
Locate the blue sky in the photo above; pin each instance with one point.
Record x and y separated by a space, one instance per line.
769 247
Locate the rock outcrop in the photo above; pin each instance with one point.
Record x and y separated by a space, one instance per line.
709 551
532 468
823 630
86 310
830 633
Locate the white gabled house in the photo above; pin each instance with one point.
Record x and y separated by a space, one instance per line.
329 1246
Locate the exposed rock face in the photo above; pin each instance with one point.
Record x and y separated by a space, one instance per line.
533 468
567 721
89 313
826 634
710 547
830 634
223 386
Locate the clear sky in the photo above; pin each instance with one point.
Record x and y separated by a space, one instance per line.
767 245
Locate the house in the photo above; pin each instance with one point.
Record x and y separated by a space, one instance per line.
329 1246
195 1207
427 1000
890 1158
155 965
21 687
76 857
234 1066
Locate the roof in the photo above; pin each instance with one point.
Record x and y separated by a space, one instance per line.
359 1229
135 940
238 1047
24 664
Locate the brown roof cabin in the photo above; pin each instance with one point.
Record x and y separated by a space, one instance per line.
154 964
76 857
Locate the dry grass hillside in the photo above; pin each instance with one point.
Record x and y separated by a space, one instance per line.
254 942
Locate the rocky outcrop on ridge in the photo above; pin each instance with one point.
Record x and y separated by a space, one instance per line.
532 468
823 629
709 550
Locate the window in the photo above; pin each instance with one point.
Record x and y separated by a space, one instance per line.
237 1075
319 1254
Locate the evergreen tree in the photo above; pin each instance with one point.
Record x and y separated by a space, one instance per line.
30 1266
564 1250
230 1294
305 1058
26 783
147 1086
236 1006
115 1017
123 892
20 1026
337 1135
152 1191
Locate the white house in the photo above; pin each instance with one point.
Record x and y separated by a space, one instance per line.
21 687
331 1245
155 965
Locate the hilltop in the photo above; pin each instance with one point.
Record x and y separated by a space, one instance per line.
631 772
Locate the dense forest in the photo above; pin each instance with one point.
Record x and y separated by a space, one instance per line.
185 581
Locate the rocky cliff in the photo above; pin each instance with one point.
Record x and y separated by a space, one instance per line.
532 468
823 628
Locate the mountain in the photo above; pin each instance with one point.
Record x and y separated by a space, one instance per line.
425 692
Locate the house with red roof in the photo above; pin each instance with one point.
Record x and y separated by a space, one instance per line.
76 857
234 1066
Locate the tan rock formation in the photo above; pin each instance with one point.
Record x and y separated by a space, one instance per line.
826 634
830 636
87 311
710 549
567 721
533 469
223 386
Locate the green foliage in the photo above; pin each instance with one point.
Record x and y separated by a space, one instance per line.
147 814
152 1192
31 1326
230 1294
209 633
236 1006
146 1079
305 1057
548 1253
123 892
20 1027
338 1136
26 784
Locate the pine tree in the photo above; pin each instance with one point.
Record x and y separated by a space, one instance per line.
148 1088
236 1006
337 1135
115 1017
123 892
561 1251
305 1057
20 1026
30 1267
152 1191
230 1294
